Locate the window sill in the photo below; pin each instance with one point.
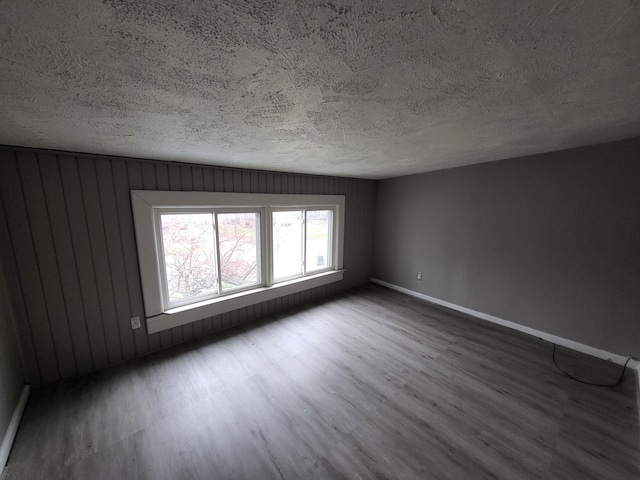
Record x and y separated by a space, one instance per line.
209 308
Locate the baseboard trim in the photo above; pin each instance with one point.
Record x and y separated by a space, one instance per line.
637 367
10 435
564 342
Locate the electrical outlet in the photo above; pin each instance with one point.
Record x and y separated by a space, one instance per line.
135 323
419 276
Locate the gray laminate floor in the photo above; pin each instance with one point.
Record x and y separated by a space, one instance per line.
372 384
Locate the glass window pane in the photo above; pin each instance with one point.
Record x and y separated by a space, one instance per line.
238 235
318 239
287 244
189 255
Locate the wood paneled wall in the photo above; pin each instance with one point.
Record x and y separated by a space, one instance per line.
70 255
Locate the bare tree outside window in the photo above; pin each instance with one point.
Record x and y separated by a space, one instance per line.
237 236
188 242
193 244
189 255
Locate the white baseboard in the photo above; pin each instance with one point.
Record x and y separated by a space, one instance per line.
637 367
579 347
10 435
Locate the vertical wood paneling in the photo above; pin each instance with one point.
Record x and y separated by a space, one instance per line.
162 177
13 278
218 180
71 244
207 180
22 243
236 181
111 223
217 322
197 179
66 263
270 183
227 184
207 325
226 323
100 258
149 180
276 182
175 177
122 186
283 184
246 182
29 275
234 317
83 259
197 329
186 179
47 263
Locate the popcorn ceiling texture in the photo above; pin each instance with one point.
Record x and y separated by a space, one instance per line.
362 88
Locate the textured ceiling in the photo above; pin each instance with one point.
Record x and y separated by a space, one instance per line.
357 88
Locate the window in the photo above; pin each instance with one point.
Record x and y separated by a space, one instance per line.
301 242
202 254
238 235
188 255
205 253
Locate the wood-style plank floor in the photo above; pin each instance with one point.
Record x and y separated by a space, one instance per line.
370 384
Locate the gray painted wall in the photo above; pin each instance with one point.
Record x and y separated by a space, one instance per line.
68 240
548 241
11 378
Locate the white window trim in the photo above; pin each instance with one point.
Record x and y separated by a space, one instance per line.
145 202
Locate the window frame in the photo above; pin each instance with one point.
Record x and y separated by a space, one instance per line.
304 210
167 303
147 207
215 212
